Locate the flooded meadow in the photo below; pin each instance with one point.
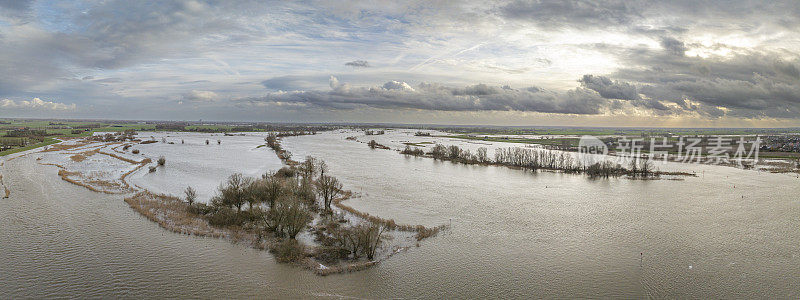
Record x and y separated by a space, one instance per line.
725 233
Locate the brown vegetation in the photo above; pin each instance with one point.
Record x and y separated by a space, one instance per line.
65 175
7 192
63 147
78 157
128 160
172 214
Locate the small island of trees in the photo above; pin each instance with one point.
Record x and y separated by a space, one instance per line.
540 159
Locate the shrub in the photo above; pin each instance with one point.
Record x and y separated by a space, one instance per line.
152 169
415 152
272 140
200 209
329 254
285 172
227 217
288 250
162 161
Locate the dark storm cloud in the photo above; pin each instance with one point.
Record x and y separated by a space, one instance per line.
480 97
358 64
673 46
609 89
287 83
747 84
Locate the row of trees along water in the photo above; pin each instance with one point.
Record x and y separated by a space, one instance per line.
537 159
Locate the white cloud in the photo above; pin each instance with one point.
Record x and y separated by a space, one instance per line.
35 104
196 96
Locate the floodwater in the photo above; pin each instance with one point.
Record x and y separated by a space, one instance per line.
192 162
727 233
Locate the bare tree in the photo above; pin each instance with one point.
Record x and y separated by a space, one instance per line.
453 152
328 188
308 168
363 239
233 192
272 189
191 195
646 166
287 218
439 151
481 155
633 165
371 237
254 193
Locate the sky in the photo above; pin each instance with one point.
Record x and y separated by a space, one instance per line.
679 63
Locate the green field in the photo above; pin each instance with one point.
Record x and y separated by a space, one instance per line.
47 141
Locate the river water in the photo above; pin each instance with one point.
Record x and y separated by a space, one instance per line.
727 233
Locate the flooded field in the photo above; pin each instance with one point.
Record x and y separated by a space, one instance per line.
727 233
